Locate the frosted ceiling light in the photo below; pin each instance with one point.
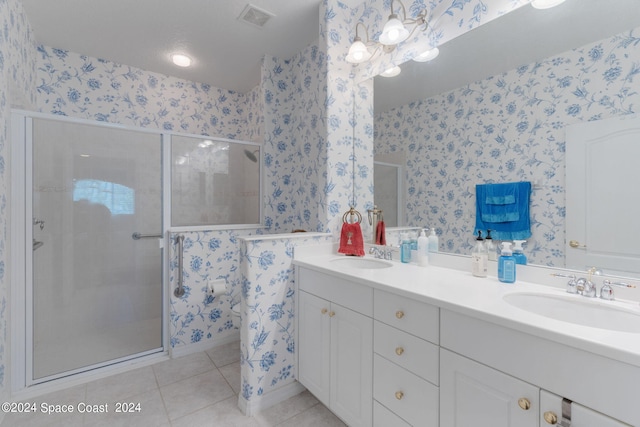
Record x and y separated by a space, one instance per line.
545 4
181 60
391 72
428 55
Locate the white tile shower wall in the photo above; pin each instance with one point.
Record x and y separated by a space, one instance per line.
508 127
268 310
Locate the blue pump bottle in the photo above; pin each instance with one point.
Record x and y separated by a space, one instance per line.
506 264
518 253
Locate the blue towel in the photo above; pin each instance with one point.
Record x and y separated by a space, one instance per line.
504 209
500 203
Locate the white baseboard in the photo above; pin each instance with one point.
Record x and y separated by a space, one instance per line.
184 350
267 400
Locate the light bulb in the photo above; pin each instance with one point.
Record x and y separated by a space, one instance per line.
181 60
391 72
393 32
545 4
428 55
358 52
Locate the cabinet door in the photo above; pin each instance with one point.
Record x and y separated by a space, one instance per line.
581 416
351 366
474 395
314 352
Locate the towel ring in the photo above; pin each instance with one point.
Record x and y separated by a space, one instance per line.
352 212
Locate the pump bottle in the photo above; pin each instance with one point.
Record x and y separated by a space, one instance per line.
492 251
506 264
433 241
405 248
479 258
518 253
423 249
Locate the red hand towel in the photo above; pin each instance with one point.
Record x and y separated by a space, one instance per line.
381 238
351 241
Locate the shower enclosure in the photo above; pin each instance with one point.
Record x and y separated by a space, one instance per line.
91 207
95 294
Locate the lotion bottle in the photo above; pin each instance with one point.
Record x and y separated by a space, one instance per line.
506 264
423 249
492 251
433 241
479 258
518 253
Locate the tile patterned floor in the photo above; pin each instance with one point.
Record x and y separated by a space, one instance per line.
198 390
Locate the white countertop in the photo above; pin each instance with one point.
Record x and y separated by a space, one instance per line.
482 298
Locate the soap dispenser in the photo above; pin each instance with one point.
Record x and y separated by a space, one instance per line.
433 241
405 248
423 249
479 258
506 264
518 253
492 251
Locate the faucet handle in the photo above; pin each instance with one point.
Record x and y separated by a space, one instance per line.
572 284
606 292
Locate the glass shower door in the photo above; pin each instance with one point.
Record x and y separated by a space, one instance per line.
96 294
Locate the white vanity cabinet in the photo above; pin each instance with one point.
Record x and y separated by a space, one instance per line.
492 375
551 412
474 395
405 363
335 344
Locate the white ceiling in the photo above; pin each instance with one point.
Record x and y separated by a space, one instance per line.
143 33
227 52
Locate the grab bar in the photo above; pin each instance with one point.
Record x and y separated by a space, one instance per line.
179 291
138 236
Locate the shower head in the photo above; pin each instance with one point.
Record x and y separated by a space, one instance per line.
251 155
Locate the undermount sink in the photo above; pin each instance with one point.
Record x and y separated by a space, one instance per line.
576 309
361 263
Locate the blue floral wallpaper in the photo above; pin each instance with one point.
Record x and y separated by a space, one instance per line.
80 86
508 127
207 255
294 141
268 312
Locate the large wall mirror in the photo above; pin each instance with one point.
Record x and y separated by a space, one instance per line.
495 107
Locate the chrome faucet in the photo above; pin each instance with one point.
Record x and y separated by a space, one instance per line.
606 292
381 252
586 287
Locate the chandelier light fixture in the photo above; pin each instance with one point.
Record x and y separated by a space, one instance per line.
395 31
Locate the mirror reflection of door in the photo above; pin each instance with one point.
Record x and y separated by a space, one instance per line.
603 195
387 193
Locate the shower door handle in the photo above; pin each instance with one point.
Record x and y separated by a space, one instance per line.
138 236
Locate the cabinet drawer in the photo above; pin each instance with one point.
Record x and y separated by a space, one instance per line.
348 294
417 318
382 417
412 353
412 398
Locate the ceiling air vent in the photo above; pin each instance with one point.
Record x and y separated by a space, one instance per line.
255 16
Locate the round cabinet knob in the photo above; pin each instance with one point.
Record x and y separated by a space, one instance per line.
324 311
399 351
332 313
399 314
524 403
550 418
399 395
